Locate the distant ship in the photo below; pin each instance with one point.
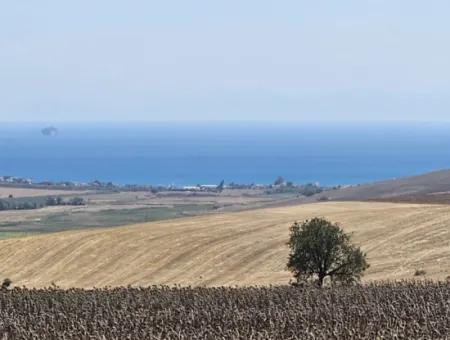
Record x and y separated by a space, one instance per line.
49 131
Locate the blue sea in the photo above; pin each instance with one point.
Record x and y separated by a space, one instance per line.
191 153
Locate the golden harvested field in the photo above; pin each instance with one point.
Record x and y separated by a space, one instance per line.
27 192
243 248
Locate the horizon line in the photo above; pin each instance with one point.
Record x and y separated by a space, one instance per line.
113 121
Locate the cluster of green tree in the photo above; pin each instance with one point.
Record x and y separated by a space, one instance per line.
14 205
308 189
52 201
233 185
28 203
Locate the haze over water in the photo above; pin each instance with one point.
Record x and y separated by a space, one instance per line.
206 153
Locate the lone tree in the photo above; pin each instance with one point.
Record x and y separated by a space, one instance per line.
319 249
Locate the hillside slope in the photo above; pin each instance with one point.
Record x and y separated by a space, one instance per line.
243 248
433 187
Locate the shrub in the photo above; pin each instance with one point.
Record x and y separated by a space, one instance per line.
6 283
419 272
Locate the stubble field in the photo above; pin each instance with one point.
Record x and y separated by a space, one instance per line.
241 248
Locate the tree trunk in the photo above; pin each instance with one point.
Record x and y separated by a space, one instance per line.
320 280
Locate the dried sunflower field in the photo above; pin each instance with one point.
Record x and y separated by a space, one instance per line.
391 310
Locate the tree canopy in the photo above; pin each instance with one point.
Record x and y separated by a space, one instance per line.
321 249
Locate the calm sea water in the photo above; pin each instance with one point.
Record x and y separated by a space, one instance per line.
206 153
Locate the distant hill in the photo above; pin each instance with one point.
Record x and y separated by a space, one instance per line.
433 187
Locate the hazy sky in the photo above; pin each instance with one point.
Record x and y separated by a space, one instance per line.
252 59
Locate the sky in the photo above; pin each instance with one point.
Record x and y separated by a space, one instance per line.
107 60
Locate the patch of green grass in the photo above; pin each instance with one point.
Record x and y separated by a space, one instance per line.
105 218
11 234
